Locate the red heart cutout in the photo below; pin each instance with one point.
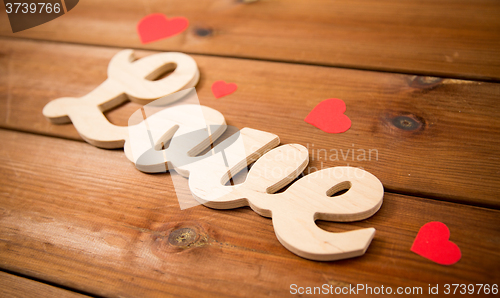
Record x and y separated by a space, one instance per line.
329 116
221 88
432 242
156 26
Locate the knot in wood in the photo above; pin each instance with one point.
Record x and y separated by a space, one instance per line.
406 122
203 32
182 237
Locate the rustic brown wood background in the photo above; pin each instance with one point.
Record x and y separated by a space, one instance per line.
421 83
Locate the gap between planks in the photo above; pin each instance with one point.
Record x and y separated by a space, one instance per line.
224 136
44 288
444 75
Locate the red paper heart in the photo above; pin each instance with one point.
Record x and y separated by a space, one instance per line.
433 243
329 116
221 88
156 26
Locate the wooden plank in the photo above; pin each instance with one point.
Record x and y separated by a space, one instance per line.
83 218
458 38
15 286
420 135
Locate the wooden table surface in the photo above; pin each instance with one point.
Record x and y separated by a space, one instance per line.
421 83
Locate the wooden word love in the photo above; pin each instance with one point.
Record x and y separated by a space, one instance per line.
293 211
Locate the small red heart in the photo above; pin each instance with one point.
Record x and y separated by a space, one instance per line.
156 26
221 88
329 116
432 242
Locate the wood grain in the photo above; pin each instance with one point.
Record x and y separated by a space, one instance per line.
81 217
19 287
458 38
422 136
